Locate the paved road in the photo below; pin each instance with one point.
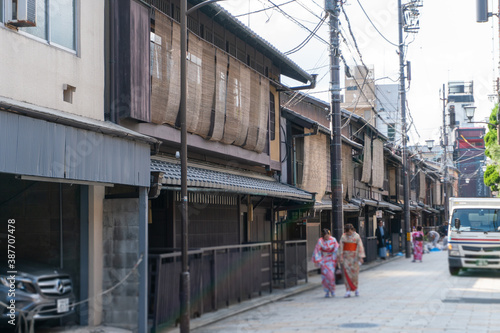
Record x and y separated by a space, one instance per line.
399 296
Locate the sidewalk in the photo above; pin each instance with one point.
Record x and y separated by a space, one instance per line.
277 294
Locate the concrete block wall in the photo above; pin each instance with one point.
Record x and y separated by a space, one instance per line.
120 250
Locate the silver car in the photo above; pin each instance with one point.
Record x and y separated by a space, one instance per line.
34 292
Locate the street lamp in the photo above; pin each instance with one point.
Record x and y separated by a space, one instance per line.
430 144
469 112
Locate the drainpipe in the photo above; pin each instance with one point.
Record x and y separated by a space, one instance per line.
315 127
312 85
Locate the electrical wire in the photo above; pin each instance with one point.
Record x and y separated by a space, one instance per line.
308 38
291 18
264 9
373 25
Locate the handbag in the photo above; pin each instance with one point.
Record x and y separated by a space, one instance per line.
338 275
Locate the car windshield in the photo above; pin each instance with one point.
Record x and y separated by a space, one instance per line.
476 219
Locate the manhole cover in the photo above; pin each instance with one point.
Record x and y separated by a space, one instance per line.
358 325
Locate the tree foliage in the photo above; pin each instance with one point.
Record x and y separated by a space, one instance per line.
492 173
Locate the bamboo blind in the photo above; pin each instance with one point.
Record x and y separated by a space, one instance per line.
194 83
208 90
421 192
367 160
245 74
378 171
220 95
347 172
173 77
226 100
233 103
437 193
253 123
159 84
314 177
263 116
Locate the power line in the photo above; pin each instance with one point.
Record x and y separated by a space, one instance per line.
264 9
291 18
308 38
373 25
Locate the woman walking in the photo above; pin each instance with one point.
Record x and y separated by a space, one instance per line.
417 238
325 255
352 254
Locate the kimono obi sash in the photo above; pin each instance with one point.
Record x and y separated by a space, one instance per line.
350 246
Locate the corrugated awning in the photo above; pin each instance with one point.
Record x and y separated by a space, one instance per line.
326 204
380 204
223 180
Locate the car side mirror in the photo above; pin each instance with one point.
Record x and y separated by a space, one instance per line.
457 223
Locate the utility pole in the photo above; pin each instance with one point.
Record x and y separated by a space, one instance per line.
445 159
185 278
402 93
337 217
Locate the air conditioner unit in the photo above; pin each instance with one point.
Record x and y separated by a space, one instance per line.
21 13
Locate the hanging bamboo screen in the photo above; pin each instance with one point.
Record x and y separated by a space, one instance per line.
347 172
173 79
220 95
314 177
159 85
226 101
263 116
437 193
194 83
367 160
378 171
208 90
253 124
233 103
245 74
421 192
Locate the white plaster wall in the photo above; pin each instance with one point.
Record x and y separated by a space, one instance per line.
34 72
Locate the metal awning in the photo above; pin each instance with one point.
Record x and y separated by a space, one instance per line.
226 180
374 203
326 204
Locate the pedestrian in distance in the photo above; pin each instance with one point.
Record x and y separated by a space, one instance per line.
443 232
352 254
434 236
418 244
325 256
382 236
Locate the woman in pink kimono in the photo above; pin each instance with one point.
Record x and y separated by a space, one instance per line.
325 255
417 238
352 254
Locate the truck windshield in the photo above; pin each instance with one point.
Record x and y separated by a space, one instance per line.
476 219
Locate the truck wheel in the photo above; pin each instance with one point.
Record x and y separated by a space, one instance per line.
454 270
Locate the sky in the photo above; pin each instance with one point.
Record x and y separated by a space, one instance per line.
449 46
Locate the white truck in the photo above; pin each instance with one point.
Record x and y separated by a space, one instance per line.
474 234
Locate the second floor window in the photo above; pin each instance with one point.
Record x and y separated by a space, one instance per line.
55 23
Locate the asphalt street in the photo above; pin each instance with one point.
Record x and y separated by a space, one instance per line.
396 296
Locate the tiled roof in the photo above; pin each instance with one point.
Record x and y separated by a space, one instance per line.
228 182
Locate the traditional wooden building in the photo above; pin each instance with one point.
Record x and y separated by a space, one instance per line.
238 199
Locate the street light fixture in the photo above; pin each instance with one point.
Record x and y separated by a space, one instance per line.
469 112
430 144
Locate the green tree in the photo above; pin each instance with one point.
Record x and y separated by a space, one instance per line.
492 173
